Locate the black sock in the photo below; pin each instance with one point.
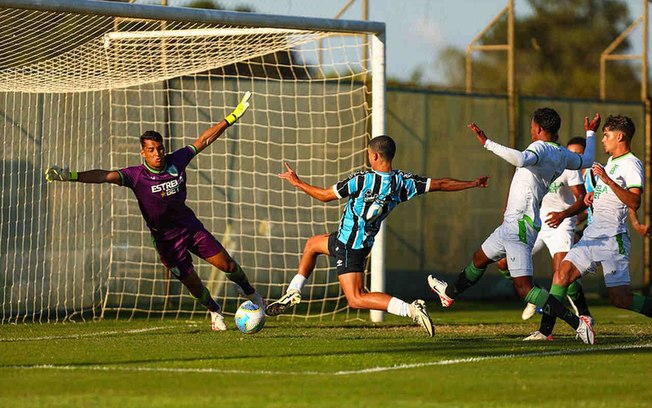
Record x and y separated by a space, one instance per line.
555 308
547 324
461 284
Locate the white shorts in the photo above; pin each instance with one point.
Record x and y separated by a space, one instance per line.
514 241
555 239
611 252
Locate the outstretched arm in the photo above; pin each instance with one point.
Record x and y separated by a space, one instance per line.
214 132
449 184
511 156
322 194
56 173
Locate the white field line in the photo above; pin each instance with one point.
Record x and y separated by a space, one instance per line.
79 336
585 350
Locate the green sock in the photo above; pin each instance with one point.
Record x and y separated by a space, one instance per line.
558 292
505 273
238 276
472 273
537 296
573 290
642 305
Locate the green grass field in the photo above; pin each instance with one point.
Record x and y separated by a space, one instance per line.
476 359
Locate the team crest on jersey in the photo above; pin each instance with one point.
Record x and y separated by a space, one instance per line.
172 171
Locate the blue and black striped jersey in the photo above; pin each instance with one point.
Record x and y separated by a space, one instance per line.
372 195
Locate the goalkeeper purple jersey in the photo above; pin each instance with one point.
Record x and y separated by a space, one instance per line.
161 194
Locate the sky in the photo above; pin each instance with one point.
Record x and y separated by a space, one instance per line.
416 29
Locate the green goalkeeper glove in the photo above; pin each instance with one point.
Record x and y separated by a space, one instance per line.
239 110
56 173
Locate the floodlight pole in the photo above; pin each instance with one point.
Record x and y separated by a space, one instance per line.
508 10
607 55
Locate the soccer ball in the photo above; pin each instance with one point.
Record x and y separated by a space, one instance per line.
249 318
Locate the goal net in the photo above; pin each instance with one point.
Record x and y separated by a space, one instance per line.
78 88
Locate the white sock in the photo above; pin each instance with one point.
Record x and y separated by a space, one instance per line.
297 282
398 307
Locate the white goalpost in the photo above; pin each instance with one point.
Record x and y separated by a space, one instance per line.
80 81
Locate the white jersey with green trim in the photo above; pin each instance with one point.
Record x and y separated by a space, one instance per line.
560 197
609 213
544 162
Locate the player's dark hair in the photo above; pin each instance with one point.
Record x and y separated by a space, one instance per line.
150 135
577 140
620 123
384 146
548 119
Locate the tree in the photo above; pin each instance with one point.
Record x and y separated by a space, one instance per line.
557 52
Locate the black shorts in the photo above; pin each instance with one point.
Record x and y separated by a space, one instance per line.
347 259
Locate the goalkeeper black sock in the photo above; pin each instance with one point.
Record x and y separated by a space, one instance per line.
642 305
576 294
206 300
467 278
238 277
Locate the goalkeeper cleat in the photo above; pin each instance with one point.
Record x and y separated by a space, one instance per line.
217 321
257 300
538 336
254 297
419 315
585 330
291 298
439 287
529 311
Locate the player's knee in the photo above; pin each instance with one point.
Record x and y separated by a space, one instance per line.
355 300
311 245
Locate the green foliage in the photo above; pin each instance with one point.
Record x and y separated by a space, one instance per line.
557 52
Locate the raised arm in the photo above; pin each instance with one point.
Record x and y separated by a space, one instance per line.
214 132
449 184
591 127
511 156
56 173
321 194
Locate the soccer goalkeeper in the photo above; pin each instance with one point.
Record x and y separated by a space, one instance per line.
159 184
372 194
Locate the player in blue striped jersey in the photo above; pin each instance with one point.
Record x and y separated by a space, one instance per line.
372 195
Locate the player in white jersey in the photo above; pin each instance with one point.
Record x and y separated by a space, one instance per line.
536 168
605 240
559 209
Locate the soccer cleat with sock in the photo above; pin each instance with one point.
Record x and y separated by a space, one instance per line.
538 336
529 311
585 330
439 287
291 298
217 321
420 316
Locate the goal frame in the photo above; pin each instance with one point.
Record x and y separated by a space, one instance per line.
375 30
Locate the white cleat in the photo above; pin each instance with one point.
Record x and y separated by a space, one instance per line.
439 287
585 330
291 298
538 336
529 311
217 321
419 315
